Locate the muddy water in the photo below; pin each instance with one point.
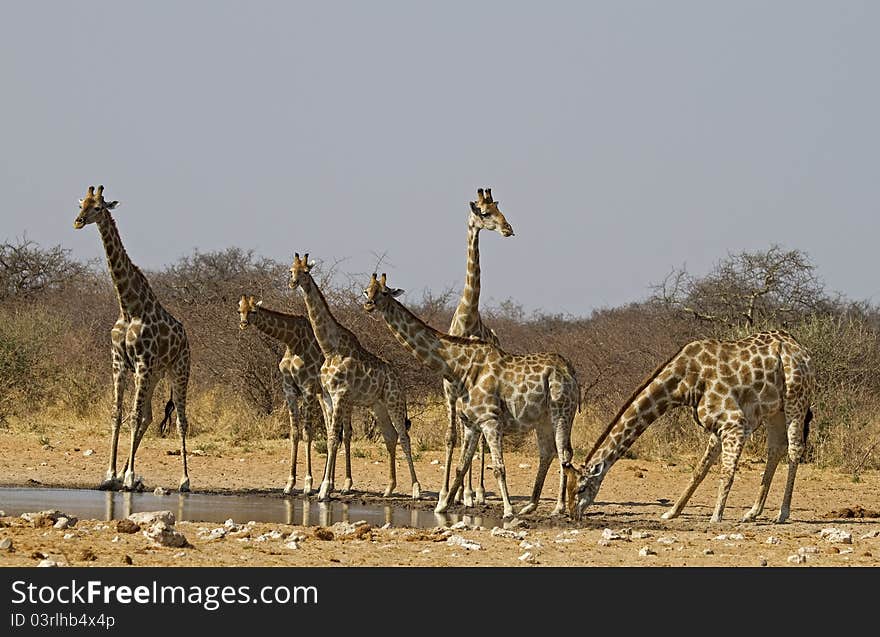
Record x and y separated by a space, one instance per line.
194 507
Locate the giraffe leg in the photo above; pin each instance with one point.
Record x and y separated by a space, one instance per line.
120 380
399 420
451 430
179 384
732 434
291 396
142 381
776 448
468 447
310 414
492 431
713 450
390 436
480 491
546 447
796 445
565 454
346 440
338 416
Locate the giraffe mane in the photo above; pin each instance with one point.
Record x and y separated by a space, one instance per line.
647 381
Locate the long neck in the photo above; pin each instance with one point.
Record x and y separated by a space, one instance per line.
469 304
327 331
131 285
423 341
668 387
276 324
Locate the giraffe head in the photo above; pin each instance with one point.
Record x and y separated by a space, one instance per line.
247 305
299 271
485 214
378 295
93 207
581 486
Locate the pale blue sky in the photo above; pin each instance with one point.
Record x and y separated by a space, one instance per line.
622 138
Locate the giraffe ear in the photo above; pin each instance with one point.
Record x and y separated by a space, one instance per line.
596 470
311 264
474 208
395 292
260 303
111 205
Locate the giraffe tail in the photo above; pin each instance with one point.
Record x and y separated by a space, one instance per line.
407 423
807 420
169 409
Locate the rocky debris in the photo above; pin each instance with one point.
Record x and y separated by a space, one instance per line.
116 538
832 549
762 561
6 544
870 534
515 523
47 563
127 526
729 536
163 534
2 514
126 559
149 518
528 558
61 523
294 540
435 461
808 550
797 559
196 452
842 551
86 555
836 535
856 511
89 452
507 533
322 533
212 534
773 540
608 534
48 518
458 540
461 525
525 465
358 530
528 546
270 535
639 535
647 550
385 526
69 536
160 491
667 540
708 552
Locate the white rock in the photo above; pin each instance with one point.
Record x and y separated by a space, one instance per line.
640 535
513 535
296 536
524 465
667 540
69 536
762 561
148 518
773 540
528 558
270 535
214 534
836 535
608 534
2 514
62 523
729 536
49 563
708 552
603 542
563 540
461 524
425 551
5 544
292 544
647 550
435 461
230 523
160 491
528 546
842 551
164 535
115 538
807 550
797 559
870 534
386 526
457 540
89 452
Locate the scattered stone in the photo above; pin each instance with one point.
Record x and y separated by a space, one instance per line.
808 550
528 546
708 552
528 558
323 533
214 534
61 523
836 535
514 523
729 536
797 559
385 526
435 461
163 534
513 535
5 544
525 465
667 540
196 452
773 540
639 535
846 551
38 555
271 535
115 539
48 518
460 525
359 530
46 563
126 559
457 540
160 491
89 452
180 554
857 511
172 452
69 536
647 550
2 514
870 534
762 561
608 534
87 555
149 518
832 549
127 526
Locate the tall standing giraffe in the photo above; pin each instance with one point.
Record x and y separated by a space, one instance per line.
146 341
352 376
300 374
732 387
466 321
500 393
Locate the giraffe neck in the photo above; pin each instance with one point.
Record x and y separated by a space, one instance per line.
278 325
433 349
131 285
327 331
666 388
467 314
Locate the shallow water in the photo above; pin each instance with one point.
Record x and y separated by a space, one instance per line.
196 507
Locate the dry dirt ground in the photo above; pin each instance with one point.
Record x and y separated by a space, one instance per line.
630 503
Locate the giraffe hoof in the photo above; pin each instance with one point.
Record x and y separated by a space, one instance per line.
480 496
288 488
468 499
307 485
781 519
531 506
417 491
749 517
669 515
184 486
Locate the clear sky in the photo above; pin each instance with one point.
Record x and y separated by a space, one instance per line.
622 138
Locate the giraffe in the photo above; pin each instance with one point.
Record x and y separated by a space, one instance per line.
300 374
146 341
352 376
499 392
732 387
466 321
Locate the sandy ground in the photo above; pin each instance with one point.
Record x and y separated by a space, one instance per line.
632 498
